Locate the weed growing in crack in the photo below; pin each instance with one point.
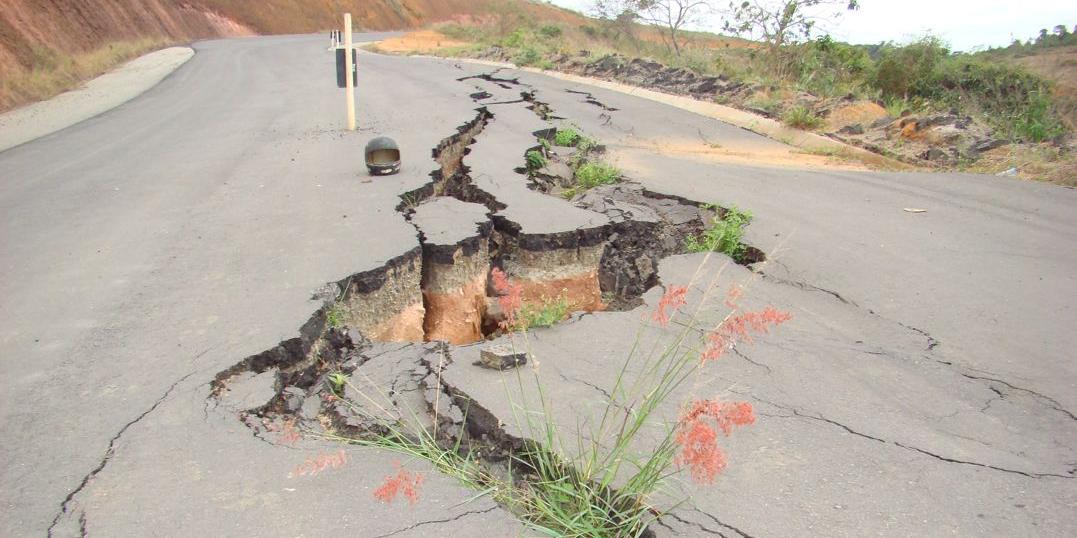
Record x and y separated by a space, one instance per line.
335 316
723 235
545 314
599 482
586 145
535 159
567 137
594 173
336 381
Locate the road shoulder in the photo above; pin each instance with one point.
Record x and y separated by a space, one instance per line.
99 95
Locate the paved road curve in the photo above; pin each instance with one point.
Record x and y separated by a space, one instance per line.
147 249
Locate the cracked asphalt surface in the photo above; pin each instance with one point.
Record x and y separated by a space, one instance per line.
925 387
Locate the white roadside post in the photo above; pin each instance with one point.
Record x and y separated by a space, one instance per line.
349 91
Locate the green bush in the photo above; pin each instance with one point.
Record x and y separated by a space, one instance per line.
723 235
1037 121
910 70
1015 102
801 118
527 56
592 174
827 68
550 31
517 38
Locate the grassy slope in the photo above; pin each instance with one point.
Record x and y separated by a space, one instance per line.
1059 65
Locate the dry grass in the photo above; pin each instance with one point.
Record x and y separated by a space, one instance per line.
1059 65
1043 162
55 73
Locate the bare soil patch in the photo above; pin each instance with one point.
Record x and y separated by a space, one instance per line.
423 41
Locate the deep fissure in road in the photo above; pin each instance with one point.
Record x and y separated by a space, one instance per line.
439 294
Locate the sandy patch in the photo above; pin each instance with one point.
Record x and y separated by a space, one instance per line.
744 154
423 41
862 112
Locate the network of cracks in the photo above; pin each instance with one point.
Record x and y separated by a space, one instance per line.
398 324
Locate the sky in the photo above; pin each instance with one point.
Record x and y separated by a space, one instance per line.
965 24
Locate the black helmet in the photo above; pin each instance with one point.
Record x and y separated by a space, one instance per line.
382 156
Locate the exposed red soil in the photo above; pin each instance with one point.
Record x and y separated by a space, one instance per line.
74 26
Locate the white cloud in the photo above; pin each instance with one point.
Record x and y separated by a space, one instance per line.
965 24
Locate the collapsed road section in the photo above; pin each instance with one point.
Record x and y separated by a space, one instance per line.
599 251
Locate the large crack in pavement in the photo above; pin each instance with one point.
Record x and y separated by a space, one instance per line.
421 295
405 300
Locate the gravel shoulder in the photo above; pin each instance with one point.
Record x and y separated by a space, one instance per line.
99 95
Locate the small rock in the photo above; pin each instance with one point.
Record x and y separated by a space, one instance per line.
988 145
559 170
327 293
250 392
854 129
293 398
934 154
882 122
357 340
311 408
501 357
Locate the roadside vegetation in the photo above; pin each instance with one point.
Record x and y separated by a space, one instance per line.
786 69
55 72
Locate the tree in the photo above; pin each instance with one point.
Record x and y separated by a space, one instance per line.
670 15
781 22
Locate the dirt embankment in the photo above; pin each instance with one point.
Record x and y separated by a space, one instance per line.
29 27
49 46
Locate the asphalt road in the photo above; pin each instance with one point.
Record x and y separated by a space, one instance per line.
930 390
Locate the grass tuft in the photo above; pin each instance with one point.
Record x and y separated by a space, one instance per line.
545 314
594 173
802 118
723 235
535 159
567 137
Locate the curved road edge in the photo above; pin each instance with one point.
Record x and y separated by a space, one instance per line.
98 95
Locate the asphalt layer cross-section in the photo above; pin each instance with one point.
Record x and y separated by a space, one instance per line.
925 387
